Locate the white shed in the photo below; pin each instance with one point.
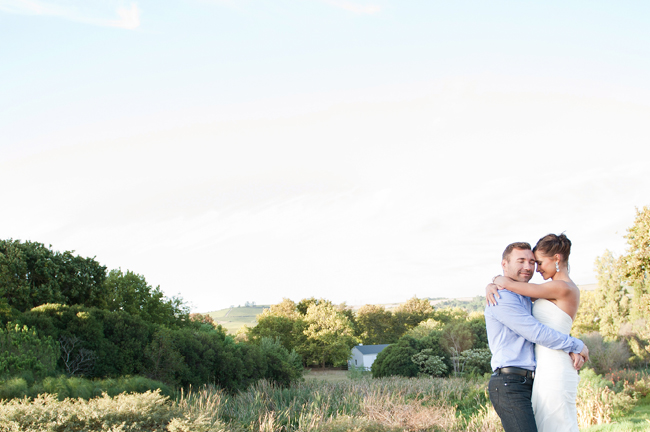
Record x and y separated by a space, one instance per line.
365 355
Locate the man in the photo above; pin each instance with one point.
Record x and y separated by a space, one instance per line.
512 332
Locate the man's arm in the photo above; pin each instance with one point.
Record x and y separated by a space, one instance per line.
513 313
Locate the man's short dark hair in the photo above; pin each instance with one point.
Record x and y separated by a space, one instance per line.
515 245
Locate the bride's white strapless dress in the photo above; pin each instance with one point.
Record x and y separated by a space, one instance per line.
556 381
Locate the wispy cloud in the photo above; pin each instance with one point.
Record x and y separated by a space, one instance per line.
95 13
354 7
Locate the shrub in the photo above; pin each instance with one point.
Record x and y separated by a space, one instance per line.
638 381
282 367
476 361
72 387
21 350
429 363
596 402
14 388
606 356
358 372
141 412
395 359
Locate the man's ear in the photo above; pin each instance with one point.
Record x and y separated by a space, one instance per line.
503 266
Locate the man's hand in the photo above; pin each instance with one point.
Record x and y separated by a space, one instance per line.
578 360
491 294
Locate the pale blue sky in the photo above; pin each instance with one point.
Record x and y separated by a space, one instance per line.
361 151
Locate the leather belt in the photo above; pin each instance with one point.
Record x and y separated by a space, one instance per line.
516 371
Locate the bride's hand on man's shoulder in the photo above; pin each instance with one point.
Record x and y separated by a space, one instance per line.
491 294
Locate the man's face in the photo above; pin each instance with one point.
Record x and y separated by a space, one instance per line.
520 265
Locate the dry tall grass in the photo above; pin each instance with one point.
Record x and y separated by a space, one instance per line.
378 405
148 411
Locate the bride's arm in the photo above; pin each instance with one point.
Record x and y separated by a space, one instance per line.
547 290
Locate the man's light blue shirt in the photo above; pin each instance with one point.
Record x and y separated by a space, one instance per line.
512 332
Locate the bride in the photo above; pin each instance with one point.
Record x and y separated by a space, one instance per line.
555 305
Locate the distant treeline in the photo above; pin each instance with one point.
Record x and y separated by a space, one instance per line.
323 334
476 304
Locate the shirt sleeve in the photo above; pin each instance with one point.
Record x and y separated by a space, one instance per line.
512 312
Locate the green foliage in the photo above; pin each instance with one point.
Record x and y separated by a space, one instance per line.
475 361
457 337
375 325
588 316
288 330
411 313
358 372
132 294
429 363
166 363
597 402
32 274
620 307
604 355
445 340
330 336
396 359
316 329
476 304
282 366
23 352
72 387
141 412
613 301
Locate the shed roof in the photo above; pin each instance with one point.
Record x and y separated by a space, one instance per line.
371 349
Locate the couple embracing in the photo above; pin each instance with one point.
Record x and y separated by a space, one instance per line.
534 361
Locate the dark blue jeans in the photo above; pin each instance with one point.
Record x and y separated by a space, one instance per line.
510 394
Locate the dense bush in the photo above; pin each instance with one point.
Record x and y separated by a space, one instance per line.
138 412
429 363
32 274
396 359
457 341
116 343
598 402
71 387
22 352
606 356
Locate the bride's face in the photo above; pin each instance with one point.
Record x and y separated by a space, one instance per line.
545 265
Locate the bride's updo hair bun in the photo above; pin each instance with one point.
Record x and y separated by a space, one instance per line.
552 244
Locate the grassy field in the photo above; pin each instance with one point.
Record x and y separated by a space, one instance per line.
637 420
327 375
232 319
326 401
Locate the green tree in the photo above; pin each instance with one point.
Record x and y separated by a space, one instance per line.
457 337
411 313
22 352
282 366
130 292
32 274
636 263
588 316
289 332
375 325
286 308
329 335
613 301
